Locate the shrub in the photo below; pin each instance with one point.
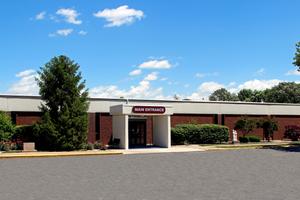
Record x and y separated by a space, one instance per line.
292 132
97 145
249 138
10 146
90 146
200 134
177 136
24 133
243 139
7 128
253 138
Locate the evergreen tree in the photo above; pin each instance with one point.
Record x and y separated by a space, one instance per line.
64 110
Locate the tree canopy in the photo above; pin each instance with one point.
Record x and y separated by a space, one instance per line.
297 56
222 95
64 109
285 92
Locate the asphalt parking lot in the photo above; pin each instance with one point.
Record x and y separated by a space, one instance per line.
234 174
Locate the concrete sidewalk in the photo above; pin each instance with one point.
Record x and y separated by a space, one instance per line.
59 154
173 149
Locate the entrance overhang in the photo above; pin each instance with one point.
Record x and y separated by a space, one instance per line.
161 122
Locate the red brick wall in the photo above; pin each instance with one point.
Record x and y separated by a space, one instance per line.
91 137
26 118
105 127
230 120
185 118
284 121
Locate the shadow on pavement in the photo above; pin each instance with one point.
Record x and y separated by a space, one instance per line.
289 148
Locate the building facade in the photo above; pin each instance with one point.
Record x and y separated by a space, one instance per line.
138 123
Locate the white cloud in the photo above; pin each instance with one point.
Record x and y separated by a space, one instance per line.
26 85
293 73
61 32
119 16
135 72
259 84
142 90
206 88
156 64
151 77
40 16
202 75
82 32
70 15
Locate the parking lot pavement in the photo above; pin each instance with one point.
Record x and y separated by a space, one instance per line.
238 174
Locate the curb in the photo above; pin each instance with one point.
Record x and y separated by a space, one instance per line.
48 155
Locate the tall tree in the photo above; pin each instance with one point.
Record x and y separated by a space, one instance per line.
286 92
297 56
245 95
64 121
222 95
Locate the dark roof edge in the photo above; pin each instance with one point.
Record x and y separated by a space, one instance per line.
156 100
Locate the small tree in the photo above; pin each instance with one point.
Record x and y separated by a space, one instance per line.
64 109
246 125
7 128
269 125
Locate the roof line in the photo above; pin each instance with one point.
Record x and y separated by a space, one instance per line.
157 100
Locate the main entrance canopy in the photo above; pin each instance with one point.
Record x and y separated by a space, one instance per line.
161 122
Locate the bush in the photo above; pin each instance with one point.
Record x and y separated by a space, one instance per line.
200 133
178 136
253 138
249 138
90 146
97 145
7 129
292 132
25 133
243 139
10 146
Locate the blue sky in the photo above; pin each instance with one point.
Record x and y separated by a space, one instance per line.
151 49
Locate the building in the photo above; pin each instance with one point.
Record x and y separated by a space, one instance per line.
148 122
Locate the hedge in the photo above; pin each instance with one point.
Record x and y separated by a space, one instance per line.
249 138
199 134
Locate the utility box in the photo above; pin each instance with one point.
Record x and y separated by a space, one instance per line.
28 146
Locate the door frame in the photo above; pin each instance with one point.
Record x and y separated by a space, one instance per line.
141 120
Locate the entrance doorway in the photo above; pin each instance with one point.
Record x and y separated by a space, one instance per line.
137 133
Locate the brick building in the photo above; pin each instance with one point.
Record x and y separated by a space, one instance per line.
148 122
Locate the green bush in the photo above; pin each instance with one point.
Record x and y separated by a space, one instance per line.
200 133
243 139
97 145
25 133
178 136
10 146
253 138
249 138
7 129
89 146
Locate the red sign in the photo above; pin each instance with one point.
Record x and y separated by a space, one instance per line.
149 109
